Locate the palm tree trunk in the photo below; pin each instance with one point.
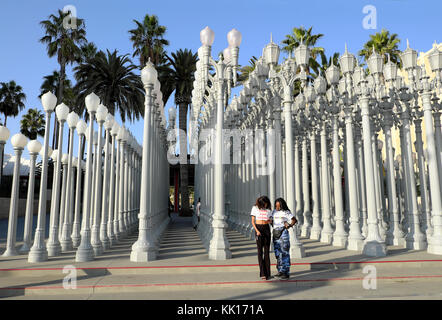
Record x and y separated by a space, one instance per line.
184 176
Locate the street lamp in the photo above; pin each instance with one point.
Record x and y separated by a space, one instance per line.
38 252
143 249
95 241
108 124
81 128
34 147
18 141
85 251
66 240
53 244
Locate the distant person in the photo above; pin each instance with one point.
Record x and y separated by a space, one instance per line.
282 220
261 218
197 212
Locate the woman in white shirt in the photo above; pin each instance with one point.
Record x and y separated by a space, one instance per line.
283 219
261 215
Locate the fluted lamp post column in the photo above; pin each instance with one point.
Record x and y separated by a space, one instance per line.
66 240
104 236
143 249
38 252
85 251
81 131
95 241
113 186
435 242
53 244
18 141
374 245
34 147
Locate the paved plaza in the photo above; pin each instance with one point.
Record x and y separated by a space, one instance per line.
183 271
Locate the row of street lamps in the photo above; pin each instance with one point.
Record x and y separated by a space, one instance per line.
334 122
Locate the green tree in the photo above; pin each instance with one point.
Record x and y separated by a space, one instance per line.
12 99
111 77
183 66
51 83
298 35
320 68
245 71
384 43
64 43
33 124
148 40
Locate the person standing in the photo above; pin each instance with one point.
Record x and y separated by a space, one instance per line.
261 218
282 220
197 211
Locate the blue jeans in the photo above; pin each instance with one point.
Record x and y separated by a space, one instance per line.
282 252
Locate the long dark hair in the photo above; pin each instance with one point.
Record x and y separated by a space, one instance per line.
282 204
263 202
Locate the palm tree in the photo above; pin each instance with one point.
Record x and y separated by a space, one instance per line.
64 44
88 51
292 41
33 124
148 40
246 70
183 65
11 103
11 99
384 43
320 68
51 83
305 36
111 77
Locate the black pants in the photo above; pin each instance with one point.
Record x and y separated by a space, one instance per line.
263 243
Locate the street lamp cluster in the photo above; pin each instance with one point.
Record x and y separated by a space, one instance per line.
209 97
86 213
154 184
324 155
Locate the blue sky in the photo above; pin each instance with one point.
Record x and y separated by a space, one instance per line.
24 59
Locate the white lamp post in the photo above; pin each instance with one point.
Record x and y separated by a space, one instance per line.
18 141
53 245
96 243
81 131
38 252
113 191
66 240
108 124
85 251
34 148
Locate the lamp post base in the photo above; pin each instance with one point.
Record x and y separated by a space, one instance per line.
340 241
315 233
297 251
326 237
10 252
142 251
395 241
374 249
24 249
54 249
37 255
355 244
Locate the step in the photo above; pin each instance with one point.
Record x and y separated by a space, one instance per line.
214 281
